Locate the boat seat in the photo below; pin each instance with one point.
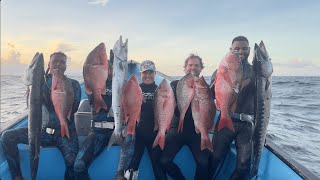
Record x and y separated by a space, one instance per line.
83 117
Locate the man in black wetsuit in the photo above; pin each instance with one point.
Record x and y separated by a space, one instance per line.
144 131
242 118
50 129
175 141
101 130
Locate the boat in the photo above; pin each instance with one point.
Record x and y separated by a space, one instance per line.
275 163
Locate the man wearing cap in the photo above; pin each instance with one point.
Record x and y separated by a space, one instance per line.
175 141
101 130
50 134
144 130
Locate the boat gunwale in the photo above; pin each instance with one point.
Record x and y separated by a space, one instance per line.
297 167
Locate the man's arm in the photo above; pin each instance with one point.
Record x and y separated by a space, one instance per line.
77 96
213 77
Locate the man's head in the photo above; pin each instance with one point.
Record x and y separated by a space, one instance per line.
193 64
58 60
240 44
147 71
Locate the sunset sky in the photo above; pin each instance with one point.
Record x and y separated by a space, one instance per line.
165 31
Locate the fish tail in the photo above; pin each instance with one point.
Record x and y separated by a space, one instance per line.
159 140
206 143
225 122
99 102
115 138
64 131
180 127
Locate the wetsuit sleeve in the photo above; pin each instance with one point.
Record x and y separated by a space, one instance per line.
213 77
173 85
77 96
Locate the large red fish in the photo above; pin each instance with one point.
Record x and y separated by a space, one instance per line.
203 112
163 111
227 86
62 98
185 93
95 74
131 102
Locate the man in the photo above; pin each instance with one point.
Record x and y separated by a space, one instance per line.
175 141
243 129
101 130
145 134
50 129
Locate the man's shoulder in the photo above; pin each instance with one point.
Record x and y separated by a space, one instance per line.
74 82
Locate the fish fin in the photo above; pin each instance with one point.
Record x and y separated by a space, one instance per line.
165 103
206 143
115 138
103 90
225 122
197 130
27 96
99 102
110 114
138 118
211 128
156 126
180 127
159 140
64 131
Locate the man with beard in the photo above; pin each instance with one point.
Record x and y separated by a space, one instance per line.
175 140
242 118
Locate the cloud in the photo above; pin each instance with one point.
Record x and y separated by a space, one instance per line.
98 2
65 47
12 55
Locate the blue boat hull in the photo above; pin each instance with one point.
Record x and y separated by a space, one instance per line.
274 164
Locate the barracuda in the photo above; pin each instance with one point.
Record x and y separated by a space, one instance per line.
34 77
120 71
263 69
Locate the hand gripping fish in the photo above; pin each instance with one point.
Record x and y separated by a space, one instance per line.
263 69
34 77
165 104
120 71
203 112
227 85
95 74
62 97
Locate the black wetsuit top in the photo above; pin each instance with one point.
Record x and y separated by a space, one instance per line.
147 113
188 120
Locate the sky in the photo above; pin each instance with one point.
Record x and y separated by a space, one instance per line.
164 31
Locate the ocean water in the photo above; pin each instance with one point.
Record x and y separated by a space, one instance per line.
294 122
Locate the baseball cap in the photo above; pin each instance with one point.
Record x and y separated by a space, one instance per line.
147 65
